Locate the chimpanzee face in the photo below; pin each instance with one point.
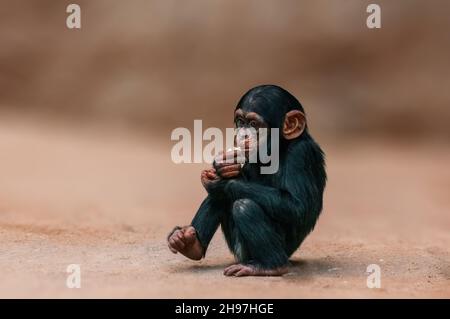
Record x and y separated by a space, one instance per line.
248 128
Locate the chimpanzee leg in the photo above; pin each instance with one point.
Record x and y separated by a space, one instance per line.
258 240
207 219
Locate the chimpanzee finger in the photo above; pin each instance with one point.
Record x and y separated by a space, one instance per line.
178 243
228 169
243 272
213 177
179 235
231 270
171 248
210 174
230 175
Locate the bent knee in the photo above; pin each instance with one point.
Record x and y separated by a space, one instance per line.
242 208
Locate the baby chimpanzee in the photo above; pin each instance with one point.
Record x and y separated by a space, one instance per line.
264 217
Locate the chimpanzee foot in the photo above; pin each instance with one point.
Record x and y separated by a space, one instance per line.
240 270
185 241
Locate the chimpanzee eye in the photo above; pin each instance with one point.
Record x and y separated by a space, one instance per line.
254 124
239 122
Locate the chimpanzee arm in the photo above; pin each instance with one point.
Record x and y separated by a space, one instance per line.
207 220
279 204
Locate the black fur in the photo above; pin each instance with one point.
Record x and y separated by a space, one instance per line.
265 218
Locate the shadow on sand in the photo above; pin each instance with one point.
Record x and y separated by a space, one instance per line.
299 269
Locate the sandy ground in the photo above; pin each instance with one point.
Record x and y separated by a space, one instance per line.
106 199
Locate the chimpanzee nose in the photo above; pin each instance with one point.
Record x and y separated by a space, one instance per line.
244 134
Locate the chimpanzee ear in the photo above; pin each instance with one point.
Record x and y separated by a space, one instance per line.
294 124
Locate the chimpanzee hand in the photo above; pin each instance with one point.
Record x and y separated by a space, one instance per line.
184 240
208 177
228 164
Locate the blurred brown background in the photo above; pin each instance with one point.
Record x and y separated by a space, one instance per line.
157 65
85 122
